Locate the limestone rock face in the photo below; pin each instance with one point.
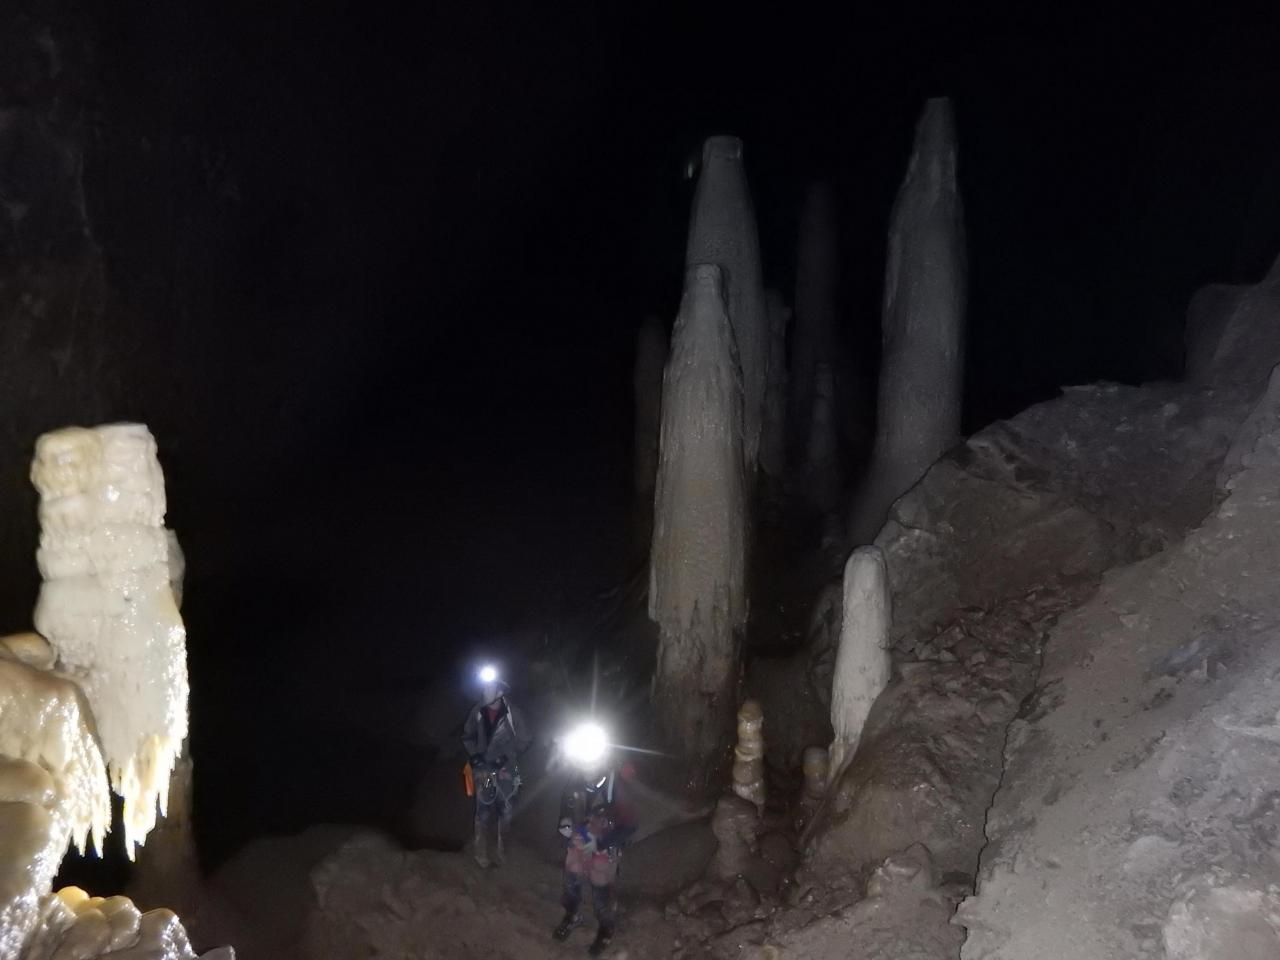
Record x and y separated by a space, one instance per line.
1230 341
722 231
922 324
1140 792
1000 539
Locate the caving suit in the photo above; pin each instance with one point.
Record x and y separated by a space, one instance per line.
600 819
494 736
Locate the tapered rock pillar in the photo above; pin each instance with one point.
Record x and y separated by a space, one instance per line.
922 324
651 359
697 581
815 320
823 482
722 231
862 661
773 435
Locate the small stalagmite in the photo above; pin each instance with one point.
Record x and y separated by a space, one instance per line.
722 230
862 663
773 429
651 359
748 755
697 572
922 325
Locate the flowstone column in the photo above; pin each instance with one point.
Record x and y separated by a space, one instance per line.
862 663
697 584
922 324
722 231
107 607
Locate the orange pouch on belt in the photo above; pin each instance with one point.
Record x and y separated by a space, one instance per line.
468 781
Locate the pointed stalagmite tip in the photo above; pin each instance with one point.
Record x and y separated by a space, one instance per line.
937 126
722 147
704 274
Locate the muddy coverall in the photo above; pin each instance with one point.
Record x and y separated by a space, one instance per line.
600 819
494 736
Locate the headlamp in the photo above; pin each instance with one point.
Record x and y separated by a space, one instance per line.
488 673
585 744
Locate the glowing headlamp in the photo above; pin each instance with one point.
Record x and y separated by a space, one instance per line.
488 673
585 744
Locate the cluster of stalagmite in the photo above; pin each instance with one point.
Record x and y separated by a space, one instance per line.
922 324
729 406
748 755
697 587
101 696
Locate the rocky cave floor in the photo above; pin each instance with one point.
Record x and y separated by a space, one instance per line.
1076 757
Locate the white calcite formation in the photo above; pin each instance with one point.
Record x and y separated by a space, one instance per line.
863 664
651 360
697 584
773 428
922 324
53 790
107 607
113 618
815 321
748 755
722 231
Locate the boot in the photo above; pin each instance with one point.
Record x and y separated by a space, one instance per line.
566 926
604 936
482 846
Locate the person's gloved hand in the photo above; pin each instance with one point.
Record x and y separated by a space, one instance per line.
566 828
588 840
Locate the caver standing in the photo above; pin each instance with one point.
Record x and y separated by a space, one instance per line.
494 736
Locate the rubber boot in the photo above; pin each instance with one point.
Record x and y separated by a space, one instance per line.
566 926
482 845
604 936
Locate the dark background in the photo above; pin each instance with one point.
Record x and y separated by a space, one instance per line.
376 272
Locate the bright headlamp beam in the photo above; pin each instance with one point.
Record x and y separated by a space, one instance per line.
586 743
488 673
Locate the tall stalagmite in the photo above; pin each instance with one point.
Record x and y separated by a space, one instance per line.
651 358
722 230
816 272
697 582
922 359
773 426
